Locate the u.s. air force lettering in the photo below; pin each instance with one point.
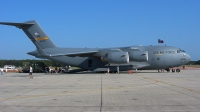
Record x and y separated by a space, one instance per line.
162 52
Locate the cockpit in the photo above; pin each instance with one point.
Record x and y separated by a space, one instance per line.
183 56
180 51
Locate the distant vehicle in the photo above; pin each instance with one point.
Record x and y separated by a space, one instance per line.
9 68
38 67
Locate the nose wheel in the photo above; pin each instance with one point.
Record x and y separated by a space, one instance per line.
178 70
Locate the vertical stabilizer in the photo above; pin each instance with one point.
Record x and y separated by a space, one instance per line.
35 33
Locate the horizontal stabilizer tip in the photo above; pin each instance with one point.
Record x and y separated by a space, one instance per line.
19 25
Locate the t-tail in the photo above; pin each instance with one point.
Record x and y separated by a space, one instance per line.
35 33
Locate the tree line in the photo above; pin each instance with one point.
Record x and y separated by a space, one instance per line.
193 63
19 63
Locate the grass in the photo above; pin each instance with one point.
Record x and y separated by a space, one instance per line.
194 66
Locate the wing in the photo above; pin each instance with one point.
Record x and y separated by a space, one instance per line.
74 54
57 52
77 52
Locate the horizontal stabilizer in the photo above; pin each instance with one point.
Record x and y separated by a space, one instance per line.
35 33
19 25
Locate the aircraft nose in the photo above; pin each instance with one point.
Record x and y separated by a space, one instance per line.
187 58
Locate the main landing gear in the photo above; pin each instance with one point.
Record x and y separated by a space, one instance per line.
176 70
173 70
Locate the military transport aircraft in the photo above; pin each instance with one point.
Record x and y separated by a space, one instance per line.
99 59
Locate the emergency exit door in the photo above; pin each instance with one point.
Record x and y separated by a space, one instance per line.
89 63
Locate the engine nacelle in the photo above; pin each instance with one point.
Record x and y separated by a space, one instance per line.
138 55
116 57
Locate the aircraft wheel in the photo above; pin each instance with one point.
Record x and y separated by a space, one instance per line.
173 70
177 70
168 70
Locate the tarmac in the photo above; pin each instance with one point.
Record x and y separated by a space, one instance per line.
146 91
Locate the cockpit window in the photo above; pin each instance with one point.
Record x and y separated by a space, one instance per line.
180 51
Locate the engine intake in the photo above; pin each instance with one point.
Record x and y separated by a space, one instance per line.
116 57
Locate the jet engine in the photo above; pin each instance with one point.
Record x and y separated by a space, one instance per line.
138 55
116 57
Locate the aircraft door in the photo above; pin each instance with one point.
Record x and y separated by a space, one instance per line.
160 62
164 62
89 63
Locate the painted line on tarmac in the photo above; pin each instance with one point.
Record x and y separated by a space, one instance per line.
173 86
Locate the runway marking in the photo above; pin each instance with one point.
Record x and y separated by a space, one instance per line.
172 85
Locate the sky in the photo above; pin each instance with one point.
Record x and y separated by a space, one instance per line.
102 24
